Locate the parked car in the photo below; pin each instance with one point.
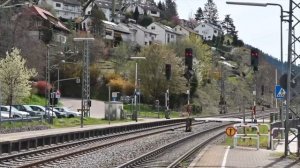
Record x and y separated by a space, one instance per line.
14 112
27 109
4 115
69 113
42 110
57 113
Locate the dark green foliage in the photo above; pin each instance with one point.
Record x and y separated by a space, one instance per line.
210 12
97 16
136 14
228 26
199 14
170 10
46 35
146 21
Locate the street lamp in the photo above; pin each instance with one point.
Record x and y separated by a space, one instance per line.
281 20
281 47
135 85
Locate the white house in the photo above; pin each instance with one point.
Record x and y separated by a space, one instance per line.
165 34
208 31
144 9
106 6
66 9
141 35
185 31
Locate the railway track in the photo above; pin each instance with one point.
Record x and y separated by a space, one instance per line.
172 154
54 154
36 157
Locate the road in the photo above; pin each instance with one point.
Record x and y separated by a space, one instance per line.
97 108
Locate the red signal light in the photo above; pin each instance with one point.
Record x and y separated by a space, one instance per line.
188 52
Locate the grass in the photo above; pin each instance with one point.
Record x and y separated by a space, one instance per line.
19 124
263 140
148 111
73 122
37 100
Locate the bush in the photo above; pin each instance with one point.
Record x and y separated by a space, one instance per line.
41 87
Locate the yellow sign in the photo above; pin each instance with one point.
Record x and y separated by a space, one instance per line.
230 131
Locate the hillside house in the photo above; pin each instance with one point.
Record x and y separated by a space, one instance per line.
143 8
141 35
165 34
208 31
185 31
65 9
106 6
41 20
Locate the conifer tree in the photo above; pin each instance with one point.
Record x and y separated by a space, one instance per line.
199 14
210 12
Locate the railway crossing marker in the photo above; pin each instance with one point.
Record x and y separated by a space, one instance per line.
279 92
230 131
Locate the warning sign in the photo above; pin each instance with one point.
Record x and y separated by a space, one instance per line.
230 131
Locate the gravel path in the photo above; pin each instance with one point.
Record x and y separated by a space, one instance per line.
119 154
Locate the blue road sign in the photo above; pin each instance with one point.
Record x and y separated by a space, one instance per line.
279 92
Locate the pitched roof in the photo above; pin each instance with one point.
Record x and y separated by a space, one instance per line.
46 15
106 4
165 27
149 7
71 2
116 27
142 28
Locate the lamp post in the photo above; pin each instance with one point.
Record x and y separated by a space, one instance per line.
281 55
281 20
135 86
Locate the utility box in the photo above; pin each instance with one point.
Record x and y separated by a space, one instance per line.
114 110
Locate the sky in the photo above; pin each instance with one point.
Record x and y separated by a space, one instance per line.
257 26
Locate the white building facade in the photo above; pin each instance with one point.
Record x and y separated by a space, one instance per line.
66 9
208 31
165 34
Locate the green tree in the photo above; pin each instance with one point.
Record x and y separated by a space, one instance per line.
152 72
210 12
97 16
14 77
202 56
228 26
199 14
170 10
136 14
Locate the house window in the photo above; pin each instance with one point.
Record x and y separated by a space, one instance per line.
150 42
175 29
146 35
180 29
108 33
215 31
203 25
58 5
152 27
209 37
172 36
168 40
153 12
146 43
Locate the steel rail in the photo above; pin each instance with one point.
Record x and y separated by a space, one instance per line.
97 147
137 161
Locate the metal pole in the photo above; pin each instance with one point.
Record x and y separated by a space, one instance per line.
109 104
139 86
286 144
48 81
135 89
57 78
